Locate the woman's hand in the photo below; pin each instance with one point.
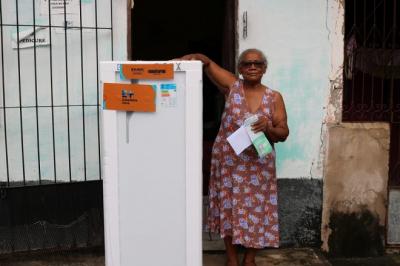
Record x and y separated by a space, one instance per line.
260 125
278 129
222 78
204 59
190 57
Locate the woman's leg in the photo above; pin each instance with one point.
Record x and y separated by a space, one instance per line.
231 252
250 257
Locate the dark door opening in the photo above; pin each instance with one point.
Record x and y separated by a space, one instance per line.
163 30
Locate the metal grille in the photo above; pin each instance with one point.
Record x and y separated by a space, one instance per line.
394 157
372 61
49 96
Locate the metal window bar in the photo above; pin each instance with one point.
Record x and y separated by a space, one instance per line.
98 90
372 61
20 95
4 98
10 179
67 89
82 91
36 92
52 97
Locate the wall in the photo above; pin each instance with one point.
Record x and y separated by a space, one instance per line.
52 217
299 39
304 44
67 215
27 80
355 189
355 168
295 37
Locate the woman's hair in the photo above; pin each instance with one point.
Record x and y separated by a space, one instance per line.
252 50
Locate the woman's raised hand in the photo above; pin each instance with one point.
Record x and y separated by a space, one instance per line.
222 78
204 59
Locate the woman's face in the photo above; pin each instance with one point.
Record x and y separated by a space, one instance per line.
252 67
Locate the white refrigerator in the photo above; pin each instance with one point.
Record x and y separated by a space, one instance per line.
152 171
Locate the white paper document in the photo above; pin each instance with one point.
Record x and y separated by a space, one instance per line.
239 140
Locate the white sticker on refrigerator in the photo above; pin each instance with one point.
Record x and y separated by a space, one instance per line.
168 95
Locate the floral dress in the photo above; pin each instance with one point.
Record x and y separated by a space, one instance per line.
243 188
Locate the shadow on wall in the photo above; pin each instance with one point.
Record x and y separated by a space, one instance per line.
355 234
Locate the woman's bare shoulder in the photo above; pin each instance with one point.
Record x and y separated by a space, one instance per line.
277 94
235 83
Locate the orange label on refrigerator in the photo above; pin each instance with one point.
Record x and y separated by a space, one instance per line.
147 71
129 97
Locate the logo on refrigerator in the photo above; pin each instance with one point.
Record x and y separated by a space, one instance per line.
152 71
157 71
147 71
137 70
128 96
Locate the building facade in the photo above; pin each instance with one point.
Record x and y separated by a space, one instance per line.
338 172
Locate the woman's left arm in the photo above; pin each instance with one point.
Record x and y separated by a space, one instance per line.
279 130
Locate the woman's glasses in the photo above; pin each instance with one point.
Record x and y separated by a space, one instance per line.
248 64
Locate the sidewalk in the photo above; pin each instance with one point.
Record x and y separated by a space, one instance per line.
276 257
281 257
391 258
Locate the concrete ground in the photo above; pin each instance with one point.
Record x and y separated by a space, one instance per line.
280 257
289 257
391 258
90 257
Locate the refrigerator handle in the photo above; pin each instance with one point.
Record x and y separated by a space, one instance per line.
129 114
128 119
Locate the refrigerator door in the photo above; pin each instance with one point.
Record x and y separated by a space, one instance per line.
152 173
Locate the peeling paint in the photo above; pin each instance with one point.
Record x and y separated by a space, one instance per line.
336 27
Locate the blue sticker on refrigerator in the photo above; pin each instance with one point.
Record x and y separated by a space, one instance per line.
168 97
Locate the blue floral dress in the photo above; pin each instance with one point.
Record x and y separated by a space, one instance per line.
243 188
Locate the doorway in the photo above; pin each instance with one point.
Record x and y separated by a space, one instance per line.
163 30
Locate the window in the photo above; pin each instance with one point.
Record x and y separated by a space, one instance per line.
372 61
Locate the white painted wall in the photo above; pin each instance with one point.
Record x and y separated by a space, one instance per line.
27 87
294 34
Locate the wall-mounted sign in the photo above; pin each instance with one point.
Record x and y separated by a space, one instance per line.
146 71
129 97
59 6
29 38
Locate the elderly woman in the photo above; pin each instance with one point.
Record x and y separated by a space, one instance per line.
243 188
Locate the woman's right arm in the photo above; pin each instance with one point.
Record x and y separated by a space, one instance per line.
222 78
